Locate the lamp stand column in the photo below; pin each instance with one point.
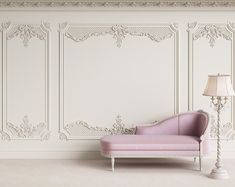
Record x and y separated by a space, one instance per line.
219 172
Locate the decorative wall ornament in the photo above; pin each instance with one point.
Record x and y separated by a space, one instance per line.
4 26
118 32
79 33
25 130
26 32
63 136
79 126
118 3
211 32
191 25
4 136
118 128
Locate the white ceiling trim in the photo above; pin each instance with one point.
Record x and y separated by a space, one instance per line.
117 3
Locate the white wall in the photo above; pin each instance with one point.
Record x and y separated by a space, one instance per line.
69 76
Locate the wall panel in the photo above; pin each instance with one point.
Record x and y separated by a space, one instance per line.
211 52
96 87
25 81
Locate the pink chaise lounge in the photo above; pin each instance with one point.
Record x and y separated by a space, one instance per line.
181 135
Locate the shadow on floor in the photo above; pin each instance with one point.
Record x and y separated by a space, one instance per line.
146 165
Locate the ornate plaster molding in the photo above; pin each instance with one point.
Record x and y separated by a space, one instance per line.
118 128
191 26
4 26
118 32
28 131
117 3
4 136
27 31
212 32
62 136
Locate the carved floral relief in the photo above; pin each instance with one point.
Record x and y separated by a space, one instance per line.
118 128
212 32
28 130
118 33
26 32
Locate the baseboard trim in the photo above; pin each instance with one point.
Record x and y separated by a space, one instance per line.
78 155
50 155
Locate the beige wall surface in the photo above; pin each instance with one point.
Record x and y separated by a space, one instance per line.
69 77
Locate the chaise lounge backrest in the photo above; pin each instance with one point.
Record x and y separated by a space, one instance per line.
190 124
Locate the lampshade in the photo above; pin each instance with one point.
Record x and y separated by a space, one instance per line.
219 85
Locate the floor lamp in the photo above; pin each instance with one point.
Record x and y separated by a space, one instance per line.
219 88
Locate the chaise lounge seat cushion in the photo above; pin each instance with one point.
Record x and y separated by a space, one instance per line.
133 143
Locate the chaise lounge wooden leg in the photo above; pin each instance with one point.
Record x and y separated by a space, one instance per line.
112 163
200 163
194 159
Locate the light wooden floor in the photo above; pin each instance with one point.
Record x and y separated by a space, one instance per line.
96 173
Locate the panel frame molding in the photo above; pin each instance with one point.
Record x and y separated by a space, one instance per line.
118 127
25 31
227 32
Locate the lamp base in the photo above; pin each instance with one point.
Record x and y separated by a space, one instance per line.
219 173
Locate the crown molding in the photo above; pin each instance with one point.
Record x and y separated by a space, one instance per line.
116 4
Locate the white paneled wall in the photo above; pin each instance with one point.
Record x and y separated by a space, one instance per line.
69 77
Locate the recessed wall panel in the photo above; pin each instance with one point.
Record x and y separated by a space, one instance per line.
113 77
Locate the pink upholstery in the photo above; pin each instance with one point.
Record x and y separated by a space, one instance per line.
153 154
192 124
165 127
180 135
150 143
